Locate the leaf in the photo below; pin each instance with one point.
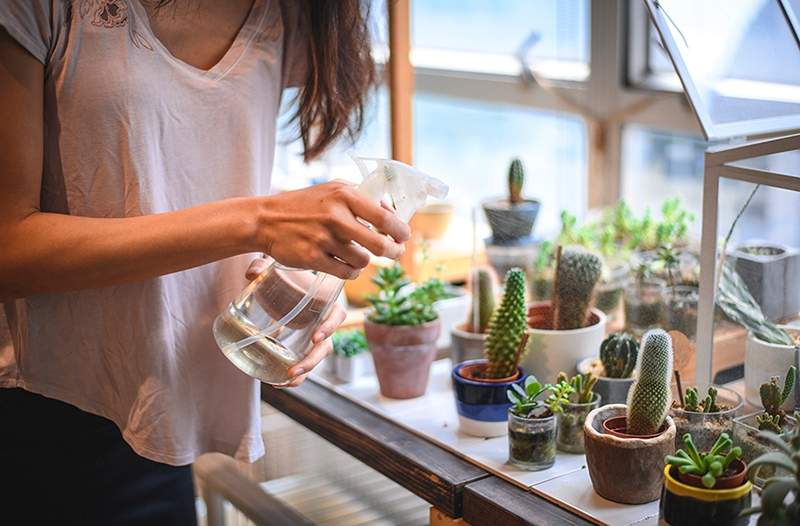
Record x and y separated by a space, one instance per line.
533 388
519 390
776 441
775 491
512 397
774 458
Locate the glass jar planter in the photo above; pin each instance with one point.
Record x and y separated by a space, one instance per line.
531 442
705 428
680 310
644 302
569 436
610 289
745 435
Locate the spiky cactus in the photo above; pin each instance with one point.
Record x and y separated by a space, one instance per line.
577 273
772 398
618 352
507 328
650 396
483 290
516 179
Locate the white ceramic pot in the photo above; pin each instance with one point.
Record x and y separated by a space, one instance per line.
352 368
550 351
466 345
452 312
763 360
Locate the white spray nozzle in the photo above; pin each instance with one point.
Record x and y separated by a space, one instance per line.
408 187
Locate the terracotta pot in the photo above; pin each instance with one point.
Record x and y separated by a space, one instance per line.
618 426
625 470
738 473
403 355
431 221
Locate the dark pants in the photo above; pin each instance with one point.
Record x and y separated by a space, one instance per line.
61 465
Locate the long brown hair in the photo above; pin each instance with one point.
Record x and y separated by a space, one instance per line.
330 103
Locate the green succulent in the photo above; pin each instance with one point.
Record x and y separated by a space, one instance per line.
577 274
618 353
691 401
708 466
772 398
650 396
582 386
399 303
526 400
516 180
507 328
349 343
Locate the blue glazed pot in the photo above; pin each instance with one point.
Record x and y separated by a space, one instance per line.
482 406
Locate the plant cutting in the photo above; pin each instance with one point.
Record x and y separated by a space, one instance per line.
614 368
467 340
625 445
532 422
705 417
480 385
705 487
351 359
747 428
581 400
780 497
511 219
567 328
401 330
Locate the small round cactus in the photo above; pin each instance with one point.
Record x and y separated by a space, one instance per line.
482 290
516 180
577 274
650 396
618 352
507 328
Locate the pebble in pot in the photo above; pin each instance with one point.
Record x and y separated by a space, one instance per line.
626 445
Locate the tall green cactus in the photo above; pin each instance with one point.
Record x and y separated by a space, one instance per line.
507 328
516 180
772 398
650 396
577 274
483 291
618 353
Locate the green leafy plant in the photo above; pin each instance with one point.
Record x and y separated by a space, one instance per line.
577 274
692 402
582 386
650 396
772 398
667 256
349 343
776 509
706 465
482 304
618 353
507 329
399 303
544 257
526 400
516 180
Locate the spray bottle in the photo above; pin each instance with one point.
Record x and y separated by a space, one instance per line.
268 328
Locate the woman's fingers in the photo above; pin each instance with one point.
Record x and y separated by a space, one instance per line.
257 266
330 265
335 318
318 352
379 217
297 380
375 242
350 253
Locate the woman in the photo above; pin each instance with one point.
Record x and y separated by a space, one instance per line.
136 145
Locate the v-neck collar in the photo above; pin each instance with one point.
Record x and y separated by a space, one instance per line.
241 42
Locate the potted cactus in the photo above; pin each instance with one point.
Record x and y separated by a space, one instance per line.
707 417
468 339
581 400
532 423
401 330
747 428
566 328
705 487
350 355
511 219
614 369
780 500
480 385
626 445
772 275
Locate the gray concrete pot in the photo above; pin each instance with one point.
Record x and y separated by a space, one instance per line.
772 277
509 222
625 470
465 345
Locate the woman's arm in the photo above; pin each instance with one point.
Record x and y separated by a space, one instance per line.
45 252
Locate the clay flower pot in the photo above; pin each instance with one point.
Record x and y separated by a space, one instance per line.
687 503
482 404
402 355
625 470
431 221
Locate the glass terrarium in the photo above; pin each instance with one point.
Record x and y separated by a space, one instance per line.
705 426
741 73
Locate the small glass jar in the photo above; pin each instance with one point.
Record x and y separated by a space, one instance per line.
531 442
745 435
705 428
644 300
569 437
610 289
680 310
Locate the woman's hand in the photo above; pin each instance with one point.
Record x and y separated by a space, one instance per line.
317 228
321 339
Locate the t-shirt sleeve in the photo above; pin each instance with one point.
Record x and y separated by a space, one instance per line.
30 22
295 44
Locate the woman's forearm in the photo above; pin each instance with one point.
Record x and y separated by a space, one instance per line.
46 252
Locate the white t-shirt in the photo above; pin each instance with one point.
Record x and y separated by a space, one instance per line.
131 130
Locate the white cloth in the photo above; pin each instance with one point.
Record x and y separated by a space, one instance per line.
131 130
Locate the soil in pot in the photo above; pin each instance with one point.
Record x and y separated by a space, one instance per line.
732 477
618 426
532 441
705 428
570 425
745 435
